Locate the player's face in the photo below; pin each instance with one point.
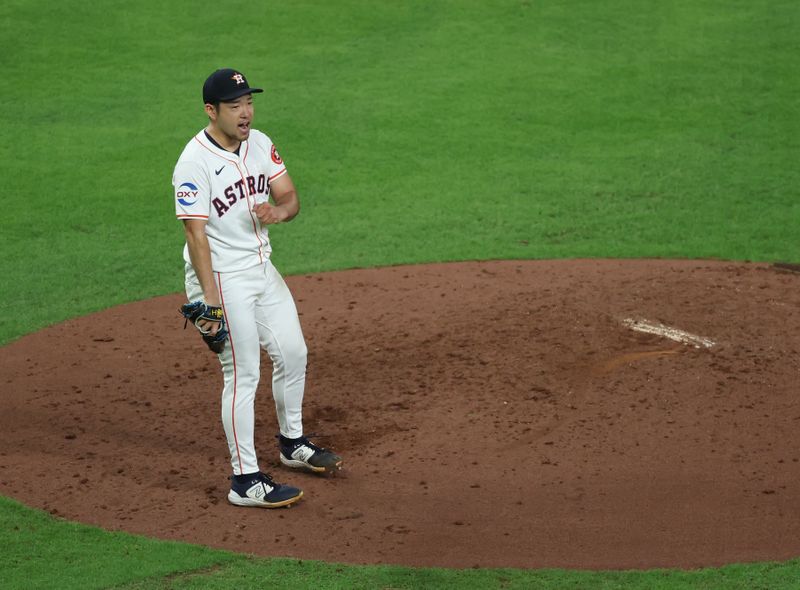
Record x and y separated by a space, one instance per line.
234 118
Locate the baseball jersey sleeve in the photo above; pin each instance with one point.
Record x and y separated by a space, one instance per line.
192 191
276 167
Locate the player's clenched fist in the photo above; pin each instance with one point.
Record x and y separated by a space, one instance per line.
268 213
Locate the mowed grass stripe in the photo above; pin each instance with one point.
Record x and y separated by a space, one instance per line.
416 132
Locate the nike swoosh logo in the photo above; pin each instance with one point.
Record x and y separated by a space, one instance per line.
218 171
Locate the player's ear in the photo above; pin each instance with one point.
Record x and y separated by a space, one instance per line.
211 111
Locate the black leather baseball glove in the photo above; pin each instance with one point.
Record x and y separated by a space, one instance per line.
196 311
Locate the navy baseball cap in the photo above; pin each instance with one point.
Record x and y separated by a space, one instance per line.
226 84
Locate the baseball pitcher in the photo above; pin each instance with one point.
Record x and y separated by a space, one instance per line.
230 186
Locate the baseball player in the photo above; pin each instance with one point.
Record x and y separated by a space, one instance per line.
240 303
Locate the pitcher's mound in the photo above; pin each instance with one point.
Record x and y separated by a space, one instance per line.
582 414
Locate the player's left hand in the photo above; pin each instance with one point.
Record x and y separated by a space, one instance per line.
268 213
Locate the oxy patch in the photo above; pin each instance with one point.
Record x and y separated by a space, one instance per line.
187 194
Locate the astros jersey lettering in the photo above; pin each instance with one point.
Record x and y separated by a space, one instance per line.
222 188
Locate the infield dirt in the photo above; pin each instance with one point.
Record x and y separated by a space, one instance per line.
489 414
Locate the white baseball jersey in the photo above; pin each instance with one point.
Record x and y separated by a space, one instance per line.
222 188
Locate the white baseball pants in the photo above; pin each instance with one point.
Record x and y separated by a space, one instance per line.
260 313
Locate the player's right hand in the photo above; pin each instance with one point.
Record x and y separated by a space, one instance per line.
268 213
208 327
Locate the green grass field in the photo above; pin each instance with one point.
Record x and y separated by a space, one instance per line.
415 132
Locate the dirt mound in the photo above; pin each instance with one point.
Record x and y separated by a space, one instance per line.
516 413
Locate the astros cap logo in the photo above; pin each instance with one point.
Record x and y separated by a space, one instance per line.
239 78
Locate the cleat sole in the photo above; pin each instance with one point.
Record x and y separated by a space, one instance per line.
294 464
237 500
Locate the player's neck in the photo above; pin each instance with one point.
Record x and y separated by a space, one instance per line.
228 144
